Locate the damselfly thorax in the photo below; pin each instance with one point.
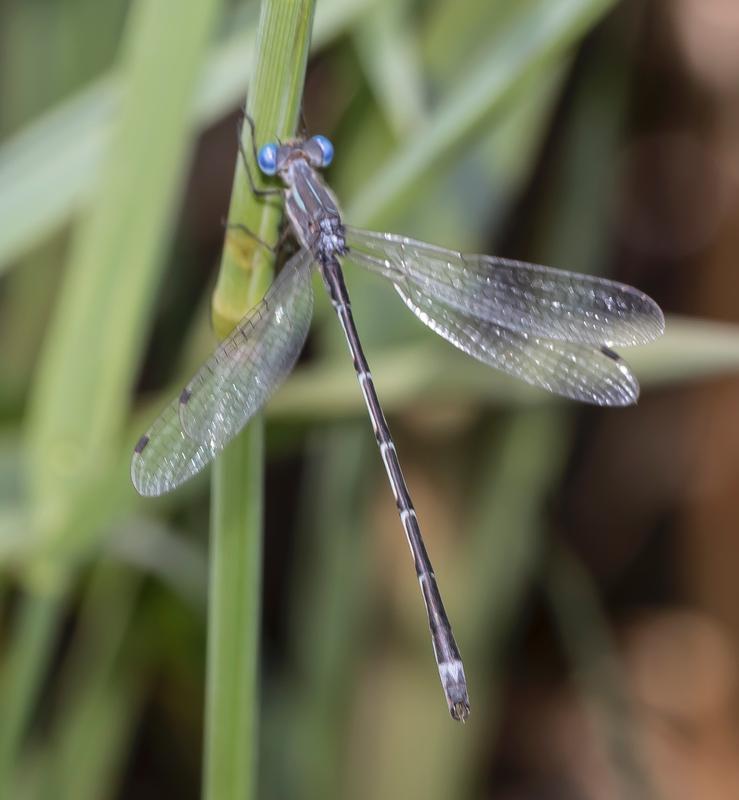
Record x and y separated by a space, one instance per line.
309 204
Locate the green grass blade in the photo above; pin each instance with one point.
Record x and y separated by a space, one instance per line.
42 187
389 52
431 372
231 726
81 392
232 704
543 33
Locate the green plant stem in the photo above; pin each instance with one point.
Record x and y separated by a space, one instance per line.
33 637
231 737
233 618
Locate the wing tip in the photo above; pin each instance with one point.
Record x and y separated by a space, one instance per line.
659 317
654 321
138 485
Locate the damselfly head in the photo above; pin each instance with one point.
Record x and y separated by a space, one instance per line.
274 159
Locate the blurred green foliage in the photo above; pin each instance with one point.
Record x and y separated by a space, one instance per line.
439 112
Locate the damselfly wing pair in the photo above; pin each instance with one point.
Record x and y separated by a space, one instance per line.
551 328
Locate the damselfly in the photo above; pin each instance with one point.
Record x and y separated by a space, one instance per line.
551 328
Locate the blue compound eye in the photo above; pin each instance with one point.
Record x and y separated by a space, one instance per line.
267 159
327 150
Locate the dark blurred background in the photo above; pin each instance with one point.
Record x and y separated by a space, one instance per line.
588 557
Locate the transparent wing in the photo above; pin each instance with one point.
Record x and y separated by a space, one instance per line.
578 371
230 387
528 298
252 362
164 457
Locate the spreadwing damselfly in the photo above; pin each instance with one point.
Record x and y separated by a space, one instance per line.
551 328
